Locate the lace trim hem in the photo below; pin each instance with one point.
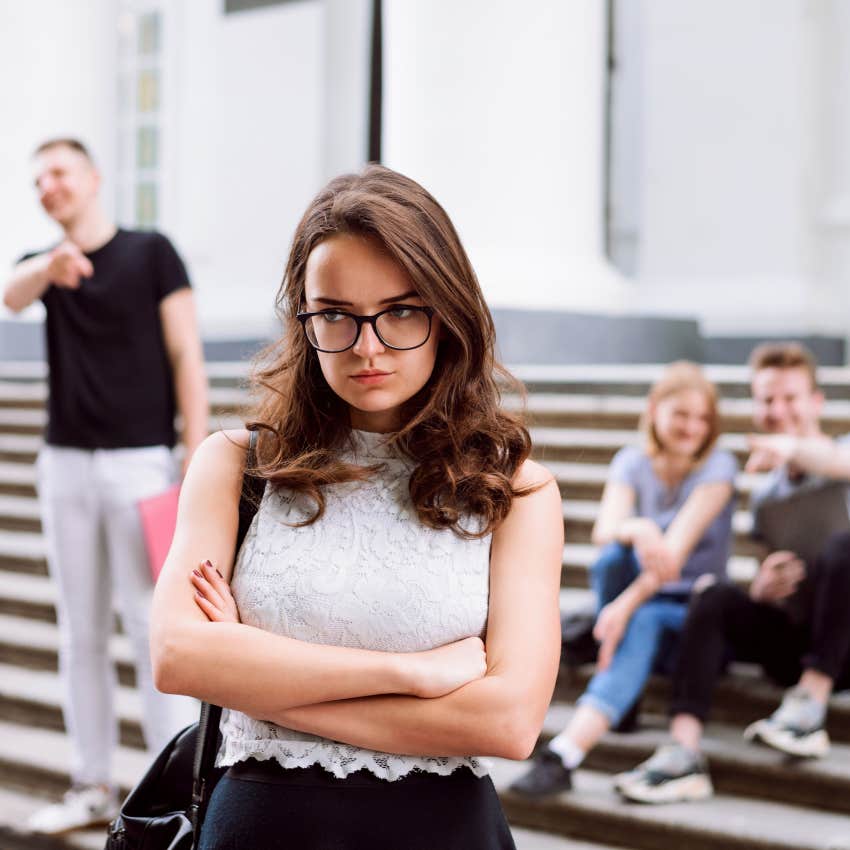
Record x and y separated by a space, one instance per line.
266 750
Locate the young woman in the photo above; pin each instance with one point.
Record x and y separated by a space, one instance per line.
665 521
402 525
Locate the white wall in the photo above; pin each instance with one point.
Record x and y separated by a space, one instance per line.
734 136
272 104
262 138
57 77
496 107
262 107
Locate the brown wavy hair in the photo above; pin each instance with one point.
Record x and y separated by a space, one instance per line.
677 377
465 447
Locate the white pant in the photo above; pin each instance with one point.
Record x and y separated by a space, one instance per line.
94 544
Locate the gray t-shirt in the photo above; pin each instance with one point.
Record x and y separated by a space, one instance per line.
660 503
778 485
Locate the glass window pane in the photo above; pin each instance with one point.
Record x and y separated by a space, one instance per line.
148 91
147 147
146 199
149 26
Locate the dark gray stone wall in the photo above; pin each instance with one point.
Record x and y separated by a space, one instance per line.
829 351
538 336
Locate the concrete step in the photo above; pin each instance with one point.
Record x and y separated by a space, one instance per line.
19 513
31 698
37 760
592 811
23 551
27 595
34 645
17 479
556 410
743 695
15 420
589 445
19 448
737 767
635 379
23 394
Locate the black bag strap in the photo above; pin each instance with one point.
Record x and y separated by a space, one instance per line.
206 744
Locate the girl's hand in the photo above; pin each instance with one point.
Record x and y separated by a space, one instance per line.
212 594
609 629
437 672
654 556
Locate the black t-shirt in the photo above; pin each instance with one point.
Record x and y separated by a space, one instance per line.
110 379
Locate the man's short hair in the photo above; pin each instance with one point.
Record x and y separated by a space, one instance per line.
64 142
785 355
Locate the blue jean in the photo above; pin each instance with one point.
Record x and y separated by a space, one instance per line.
650 635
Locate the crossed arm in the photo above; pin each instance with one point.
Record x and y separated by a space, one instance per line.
662 555
437 702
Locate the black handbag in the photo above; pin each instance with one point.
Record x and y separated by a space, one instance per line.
166 809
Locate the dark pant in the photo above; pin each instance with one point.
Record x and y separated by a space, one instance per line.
262 806
724 622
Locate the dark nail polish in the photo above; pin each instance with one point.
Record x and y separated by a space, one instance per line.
208 563
199 594
198 573
219 574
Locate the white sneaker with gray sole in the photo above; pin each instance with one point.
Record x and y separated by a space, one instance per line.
671 775
796 728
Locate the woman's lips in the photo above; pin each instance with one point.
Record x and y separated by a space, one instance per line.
370 377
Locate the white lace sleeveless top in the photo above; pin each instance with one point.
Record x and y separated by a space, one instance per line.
368 574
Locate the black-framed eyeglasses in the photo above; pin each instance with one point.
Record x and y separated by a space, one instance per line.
401 327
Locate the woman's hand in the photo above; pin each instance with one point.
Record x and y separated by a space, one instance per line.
212 594
609 629
437 672
655 557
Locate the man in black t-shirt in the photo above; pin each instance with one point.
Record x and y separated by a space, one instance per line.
124 355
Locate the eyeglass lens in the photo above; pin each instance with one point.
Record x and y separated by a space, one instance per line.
396 328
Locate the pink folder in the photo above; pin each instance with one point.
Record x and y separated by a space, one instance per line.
159 517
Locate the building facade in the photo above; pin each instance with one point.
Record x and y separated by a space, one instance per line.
633 179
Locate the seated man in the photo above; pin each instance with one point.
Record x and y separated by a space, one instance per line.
795 620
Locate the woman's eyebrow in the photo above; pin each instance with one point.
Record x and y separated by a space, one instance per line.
410 294
334 302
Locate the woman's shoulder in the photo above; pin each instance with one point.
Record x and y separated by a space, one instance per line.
531 474
626 463
719 464
221 454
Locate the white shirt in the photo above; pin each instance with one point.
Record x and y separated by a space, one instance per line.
368 574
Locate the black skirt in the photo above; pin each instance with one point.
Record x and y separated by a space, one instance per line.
262 806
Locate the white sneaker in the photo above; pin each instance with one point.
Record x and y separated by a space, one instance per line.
90 805
671 775
796 728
